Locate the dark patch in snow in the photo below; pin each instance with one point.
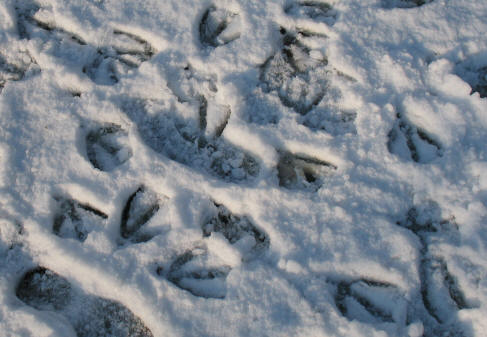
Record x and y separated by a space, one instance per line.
404 3
302 172
89 315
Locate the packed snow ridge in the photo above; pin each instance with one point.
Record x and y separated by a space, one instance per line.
243 168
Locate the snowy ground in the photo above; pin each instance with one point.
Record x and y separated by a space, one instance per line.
243 168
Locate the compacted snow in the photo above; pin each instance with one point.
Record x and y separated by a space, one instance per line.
243 168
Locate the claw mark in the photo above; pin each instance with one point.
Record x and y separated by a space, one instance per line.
218 27
139 209
107 147
301 172
89 315
76 220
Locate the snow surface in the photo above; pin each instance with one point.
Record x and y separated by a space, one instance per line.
243 168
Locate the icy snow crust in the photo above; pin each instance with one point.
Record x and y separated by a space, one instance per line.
243 168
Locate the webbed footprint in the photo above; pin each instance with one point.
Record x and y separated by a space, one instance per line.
76 220
125 52
238 230
302 172
298 78
90 316
140 207
199 272
107 147
370 301
218 27
410 142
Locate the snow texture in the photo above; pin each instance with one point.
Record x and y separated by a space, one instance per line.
243 168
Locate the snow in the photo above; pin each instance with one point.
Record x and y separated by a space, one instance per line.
243 168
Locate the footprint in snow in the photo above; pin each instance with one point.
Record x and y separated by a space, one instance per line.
410 142
76 220
298 172
140 207
190 131
299 75
125 52
198 272
218 27
104 64
90 316
370 301
107 146
237 230
441 294
13 70
202 273
299 79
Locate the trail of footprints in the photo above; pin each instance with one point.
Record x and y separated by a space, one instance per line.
440 297
104 65
90 316
300 77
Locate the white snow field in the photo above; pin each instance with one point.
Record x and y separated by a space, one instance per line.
243 168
